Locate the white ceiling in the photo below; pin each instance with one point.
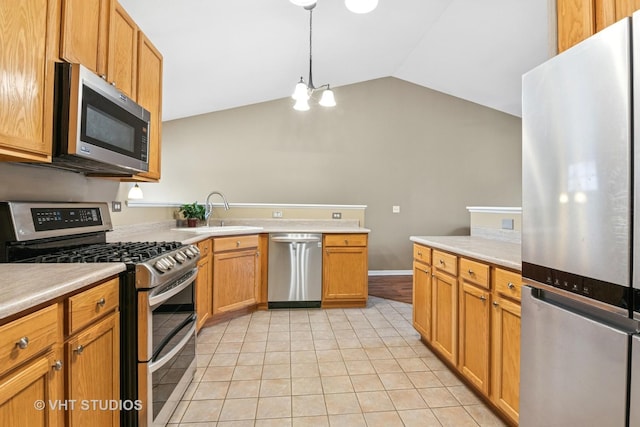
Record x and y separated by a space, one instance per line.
221 54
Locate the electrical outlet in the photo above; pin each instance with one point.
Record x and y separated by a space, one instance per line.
116 206
395 209
336 215
276 214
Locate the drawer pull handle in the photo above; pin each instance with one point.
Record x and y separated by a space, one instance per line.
23 343
57 365
510 285
238 244
101 302
346 242
495 303
471 272
483 298
442 261
79 349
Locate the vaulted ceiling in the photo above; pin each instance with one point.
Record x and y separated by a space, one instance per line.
221 54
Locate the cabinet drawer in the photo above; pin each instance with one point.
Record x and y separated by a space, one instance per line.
475 272
221 244
28 336
345 240
508 283
87 306
205 248
422 253
445 262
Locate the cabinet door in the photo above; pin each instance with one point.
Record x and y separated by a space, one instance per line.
444 329
149 95
576 22
123 50
422 299
85 27
37 381
28 31
344 271
234 279
505 349
203 291
474 318
93 362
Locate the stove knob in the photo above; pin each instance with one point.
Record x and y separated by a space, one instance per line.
195 250
171 260
160 266
180 257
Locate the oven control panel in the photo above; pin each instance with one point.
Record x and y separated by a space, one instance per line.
60 218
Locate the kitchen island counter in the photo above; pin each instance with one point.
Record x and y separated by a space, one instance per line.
497 252
28 285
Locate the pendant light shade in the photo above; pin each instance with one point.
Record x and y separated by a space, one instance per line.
135 193
301 105
327 99
300 91
303 3
361 6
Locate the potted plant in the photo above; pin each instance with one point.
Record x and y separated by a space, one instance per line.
192 212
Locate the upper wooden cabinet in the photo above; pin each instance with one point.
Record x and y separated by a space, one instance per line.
579 19
29 46
149 95
123 51
84 33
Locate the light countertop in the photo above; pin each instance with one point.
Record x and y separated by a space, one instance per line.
28 285
498 252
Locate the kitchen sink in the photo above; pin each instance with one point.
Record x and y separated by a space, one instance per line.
219 229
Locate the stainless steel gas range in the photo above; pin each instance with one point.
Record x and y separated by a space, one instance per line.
157 295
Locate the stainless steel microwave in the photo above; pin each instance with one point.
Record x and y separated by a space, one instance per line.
97 129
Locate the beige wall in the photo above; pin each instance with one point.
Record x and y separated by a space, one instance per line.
388 142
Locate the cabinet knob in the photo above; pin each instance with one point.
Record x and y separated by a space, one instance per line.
238 244
441 262
495 303
103 76
419 253
79 349
23 343
257 253
433 275
57 365
101 302
346 242
510 285
471 272
483 298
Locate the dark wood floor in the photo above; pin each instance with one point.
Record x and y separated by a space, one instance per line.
397 288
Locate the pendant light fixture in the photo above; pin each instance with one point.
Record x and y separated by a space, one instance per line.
361 6
135 193
304 90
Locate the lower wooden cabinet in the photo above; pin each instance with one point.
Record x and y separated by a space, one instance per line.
204 285
38 382
505 348
422 291
63 357
236 278
345 281
444 333
474 314
474 327
93 374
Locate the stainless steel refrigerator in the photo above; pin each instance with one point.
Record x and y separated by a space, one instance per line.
580 348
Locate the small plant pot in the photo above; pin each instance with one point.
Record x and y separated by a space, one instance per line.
192 222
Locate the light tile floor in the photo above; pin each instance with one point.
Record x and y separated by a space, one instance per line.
312 367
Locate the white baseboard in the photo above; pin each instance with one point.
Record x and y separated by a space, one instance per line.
390 272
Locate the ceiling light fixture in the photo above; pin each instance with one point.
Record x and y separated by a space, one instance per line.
361 6
303 91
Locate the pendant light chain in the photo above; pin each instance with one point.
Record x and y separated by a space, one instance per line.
311 86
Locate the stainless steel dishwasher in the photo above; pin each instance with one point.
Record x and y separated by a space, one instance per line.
295 270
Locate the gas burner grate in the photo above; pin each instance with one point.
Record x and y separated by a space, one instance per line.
129 252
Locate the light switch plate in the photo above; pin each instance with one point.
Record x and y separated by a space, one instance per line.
116 206
507 224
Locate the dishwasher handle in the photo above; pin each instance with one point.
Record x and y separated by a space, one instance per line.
286 239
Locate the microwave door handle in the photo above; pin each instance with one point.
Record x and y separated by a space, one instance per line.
154 300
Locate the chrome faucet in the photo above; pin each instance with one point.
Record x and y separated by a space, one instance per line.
209 207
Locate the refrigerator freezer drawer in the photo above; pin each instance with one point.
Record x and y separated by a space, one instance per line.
575 368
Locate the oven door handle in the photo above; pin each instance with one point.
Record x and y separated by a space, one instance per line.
161 297
157 364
